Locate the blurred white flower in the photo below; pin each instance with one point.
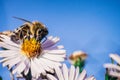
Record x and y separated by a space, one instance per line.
31 55
64 73
114 69
77 58
77 55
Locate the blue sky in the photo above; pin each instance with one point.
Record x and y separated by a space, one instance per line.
89 25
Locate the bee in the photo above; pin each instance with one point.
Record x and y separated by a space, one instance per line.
35 29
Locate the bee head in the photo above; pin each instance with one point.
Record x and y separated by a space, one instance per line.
41 32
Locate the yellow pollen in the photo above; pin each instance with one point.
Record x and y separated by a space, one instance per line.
31 48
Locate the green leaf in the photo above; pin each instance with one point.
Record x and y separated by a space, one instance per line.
0 78
108 77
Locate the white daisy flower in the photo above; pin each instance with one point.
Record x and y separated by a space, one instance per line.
114 69
69 74
31 55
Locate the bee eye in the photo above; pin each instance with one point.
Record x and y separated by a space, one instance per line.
39 31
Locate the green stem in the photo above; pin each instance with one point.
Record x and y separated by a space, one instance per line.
0 78
79 63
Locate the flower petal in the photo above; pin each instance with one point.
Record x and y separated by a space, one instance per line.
71 73
8 41
11 61
50 77
76 73
44 66
59 73
65 72
82 75
115 57
27 63
19 68
112 66
50 42
55 51
7 53
50 63
54 47
115 74
90 78
4 45
58 58
37 67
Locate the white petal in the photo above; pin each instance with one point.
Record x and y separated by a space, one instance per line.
5 58
4 37
50 63
39 68
56 39
58 58
8 41
55 51
33 71
19 75
43 65
60 47
12 61
71 73
65 72
46 63
19 68
50 37
115 74
59 73
54 47
50 77
115 57
76 73
27 63
4 45
112 66
82 75
6 53
90 78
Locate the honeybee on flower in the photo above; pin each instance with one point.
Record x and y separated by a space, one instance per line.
30 55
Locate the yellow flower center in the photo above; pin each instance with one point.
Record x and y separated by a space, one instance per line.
31 48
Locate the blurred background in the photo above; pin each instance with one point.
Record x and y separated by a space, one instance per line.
92 26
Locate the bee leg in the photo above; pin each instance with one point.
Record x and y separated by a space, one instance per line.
28 32
21 35
28 35
38 38
13 38
44 40
34 35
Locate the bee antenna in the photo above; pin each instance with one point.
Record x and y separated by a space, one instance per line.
22 19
